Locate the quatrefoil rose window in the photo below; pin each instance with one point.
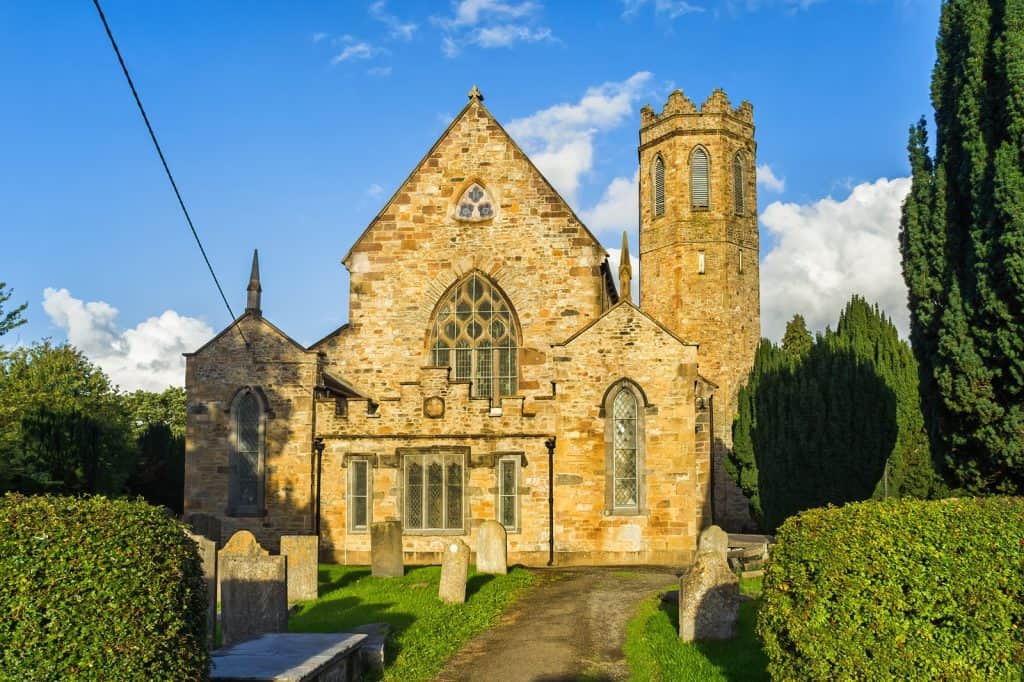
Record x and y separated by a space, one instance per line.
475 204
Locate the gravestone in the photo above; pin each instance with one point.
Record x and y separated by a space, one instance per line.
386 549
242 543
454 572
709 594
302 552
492 548
206 525
254 596
208 555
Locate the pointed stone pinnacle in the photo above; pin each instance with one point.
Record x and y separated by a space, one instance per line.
475 94
252 303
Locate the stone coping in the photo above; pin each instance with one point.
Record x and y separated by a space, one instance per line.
283 656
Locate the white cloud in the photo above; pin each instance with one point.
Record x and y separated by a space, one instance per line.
559 139
490 24
397 28
766 178
319 37
671 9
618 208
147 356
508 34
614 257
382 71
829 250
359 50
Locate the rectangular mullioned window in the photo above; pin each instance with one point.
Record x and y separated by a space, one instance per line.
359 495
508 493
433 487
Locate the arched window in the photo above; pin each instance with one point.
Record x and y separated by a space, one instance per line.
248 418
699 184
474 332
658 182
624 440
475 204
738 185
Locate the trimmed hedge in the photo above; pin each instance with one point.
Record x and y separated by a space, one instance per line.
98 589
900 590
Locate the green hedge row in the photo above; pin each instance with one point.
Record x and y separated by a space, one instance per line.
98 589
901 590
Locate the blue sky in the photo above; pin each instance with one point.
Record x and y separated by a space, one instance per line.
288 125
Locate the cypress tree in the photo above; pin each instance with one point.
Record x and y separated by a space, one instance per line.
962 239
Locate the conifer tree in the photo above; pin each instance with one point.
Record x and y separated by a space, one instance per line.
962 239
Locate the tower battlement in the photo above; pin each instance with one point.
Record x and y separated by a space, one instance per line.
678 104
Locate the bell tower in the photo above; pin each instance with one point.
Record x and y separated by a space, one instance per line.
699 248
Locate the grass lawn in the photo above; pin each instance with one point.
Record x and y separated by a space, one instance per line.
654 652
424 632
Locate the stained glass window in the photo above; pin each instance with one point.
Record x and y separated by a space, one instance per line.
474 333
475 204
245 483
359 494
508 489
433 491
624 474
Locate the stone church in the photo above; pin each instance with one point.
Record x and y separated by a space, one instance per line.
491 367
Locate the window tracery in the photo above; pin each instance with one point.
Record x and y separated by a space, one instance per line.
475 204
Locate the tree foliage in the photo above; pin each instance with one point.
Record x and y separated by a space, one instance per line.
832 420
10 319
158 424
962 240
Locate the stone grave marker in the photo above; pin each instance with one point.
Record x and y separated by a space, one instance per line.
454 573
386 549
302 552
208 555
709 594
242 543
492 548
254 596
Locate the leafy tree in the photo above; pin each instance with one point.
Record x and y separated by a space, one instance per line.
158 424
797 340
833 422
62 426
962 240
12 319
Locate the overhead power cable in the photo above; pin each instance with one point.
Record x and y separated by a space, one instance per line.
167 169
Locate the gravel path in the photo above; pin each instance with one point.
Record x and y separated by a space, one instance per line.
570 626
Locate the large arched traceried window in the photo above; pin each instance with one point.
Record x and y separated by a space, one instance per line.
624 440
248 418
658 186
474 332
738 184
700 191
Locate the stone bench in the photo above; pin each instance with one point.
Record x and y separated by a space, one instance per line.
291 657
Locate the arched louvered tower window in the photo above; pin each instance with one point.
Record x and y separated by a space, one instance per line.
245 490
738 185
658 182
474 331
699 182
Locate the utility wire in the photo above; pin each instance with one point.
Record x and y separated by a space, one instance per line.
160 153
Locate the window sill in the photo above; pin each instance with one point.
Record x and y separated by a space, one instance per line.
625 512
417 532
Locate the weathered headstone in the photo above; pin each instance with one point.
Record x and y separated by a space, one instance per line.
242 543
386 549
492 548
208 555
302 551
709 594
454 573
254 596
206 525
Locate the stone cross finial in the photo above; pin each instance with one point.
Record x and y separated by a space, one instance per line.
625 270
475 94
254 290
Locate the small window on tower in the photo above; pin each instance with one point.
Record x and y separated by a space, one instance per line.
741 261
738 183
659 186
699 183
700 262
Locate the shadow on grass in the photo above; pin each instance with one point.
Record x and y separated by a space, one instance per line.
476 582
325 585
740 658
